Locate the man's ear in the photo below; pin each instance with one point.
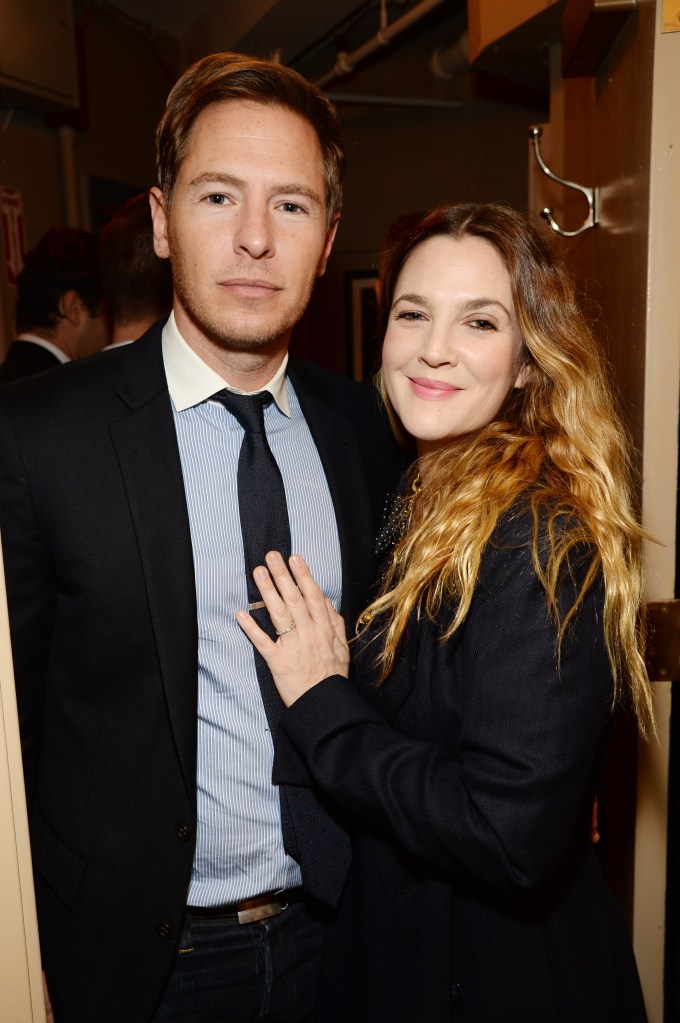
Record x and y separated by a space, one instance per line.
159 220
523 375
328 245
72 307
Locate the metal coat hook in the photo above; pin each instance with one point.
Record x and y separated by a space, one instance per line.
592 194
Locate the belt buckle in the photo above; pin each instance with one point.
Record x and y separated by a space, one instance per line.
255 913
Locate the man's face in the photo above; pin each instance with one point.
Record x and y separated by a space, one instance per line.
246 231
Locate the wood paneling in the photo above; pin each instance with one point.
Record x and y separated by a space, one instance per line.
21 992
489 21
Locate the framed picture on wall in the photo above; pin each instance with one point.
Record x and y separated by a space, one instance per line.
361 319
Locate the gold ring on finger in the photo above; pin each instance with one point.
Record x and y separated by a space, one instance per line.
284 632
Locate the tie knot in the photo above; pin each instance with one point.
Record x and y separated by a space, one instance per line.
247 408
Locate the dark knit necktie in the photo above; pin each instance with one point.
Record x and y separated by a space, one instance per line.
310 835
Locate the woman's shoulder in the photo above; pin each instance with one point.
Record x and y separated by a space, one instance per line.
534 528
550 520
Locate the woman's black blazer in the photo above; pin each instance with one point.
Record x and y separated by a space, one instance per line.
469 777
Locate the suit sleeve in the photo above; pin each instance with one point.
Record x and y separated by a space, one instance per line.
500 798
31 593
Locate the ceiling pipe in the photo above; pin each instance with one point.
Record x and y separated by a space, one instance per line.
346 62
448 61
69 175
394 101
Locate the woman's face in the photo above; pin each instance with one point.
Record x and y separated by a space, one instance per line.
453 345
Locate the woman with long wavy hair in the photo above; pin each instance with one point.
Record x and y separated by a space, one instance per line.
502 642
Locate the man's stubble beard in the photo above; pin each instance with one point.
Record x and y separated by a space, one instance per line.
217 330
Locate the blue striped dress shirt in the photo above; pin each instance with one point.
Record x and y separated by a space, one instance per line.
239 845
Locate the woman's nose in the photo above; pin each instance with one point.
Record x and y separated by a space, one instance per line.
439 349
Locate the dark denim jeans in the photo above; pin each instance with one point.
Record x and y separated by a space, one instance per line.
226 972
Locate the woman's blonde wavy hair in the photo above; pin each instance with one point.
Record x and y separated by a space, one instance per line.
556 442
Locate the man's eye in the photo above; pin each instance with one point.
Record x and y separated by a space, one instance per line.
291 207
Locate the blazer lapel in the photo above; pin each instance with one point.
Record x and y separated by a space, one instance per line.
146 445
389 698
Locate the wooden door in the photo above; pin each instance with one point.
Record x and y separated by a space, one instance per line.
618 129
21 991
616 126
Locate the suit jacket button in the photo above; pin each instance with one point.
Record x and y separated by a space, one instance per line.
183 832
456 992
164 929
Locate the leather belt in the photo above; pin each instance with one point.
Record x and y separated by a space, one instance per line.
249 911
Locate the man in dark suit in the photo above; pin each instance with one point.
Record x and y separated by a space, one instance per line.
59 312
167 884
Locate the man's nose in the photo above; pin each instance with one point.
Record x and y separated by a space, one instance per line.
253 234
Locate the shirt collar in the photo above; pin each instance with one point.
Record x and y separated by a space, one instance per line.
191 380
47 345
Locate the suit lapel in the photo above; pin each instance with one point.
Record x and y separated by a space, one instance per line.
336 443
390 697
146 445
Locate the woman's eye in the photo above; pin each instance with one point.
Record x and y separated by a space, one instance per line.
410 315
480 324
217 199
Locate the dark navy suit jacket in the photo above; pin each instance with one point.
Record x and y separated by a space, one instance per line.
100 581
25 359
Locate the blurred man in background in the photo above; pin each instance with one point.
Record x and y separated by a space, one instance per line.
137 283
59 314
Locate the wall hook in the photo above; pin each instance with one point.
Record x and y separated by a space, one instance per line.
592 195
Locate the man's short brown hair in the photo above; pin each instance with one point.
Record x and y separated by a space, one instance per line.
65 259
223 76
136 282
